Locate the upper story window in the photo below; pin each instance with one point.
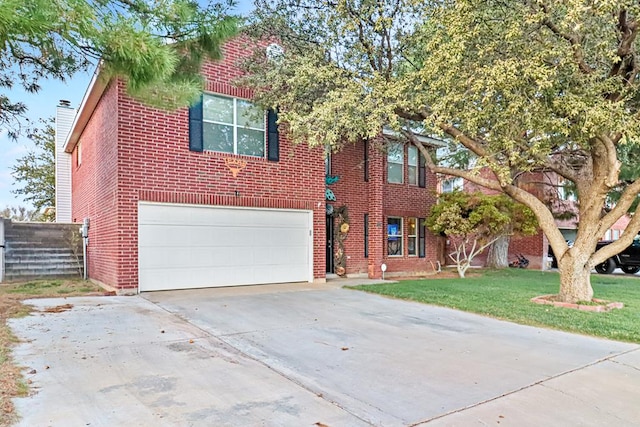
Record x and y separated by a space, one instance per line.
232 125
566 190
395 163
415 165
452 184
412 164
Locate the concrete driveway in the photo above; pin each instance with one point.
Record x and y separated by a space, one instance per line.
300 355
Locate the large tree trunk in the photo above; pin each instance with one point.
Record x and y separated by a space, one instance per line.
575 280
498 256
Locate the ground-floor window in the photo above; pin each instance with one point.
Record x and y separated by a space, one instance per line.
415 235
394 236
412 236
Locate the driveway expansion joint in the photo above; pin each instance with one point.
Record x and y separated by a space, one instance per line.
536 383
317 393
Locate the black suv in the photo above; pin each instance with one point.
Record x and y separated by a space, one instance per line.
628 260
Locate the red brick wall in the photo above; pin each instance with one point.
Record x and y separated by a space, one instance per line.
380 200
150 160
95 188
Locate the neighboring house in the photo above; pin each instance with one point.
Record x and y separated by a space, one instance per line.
563 202
210 196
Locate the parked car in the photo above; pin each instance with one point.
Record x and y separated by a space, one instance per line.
554 261
628 260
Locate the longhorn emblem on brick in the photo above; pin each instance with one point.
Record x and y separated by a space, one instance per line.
235 165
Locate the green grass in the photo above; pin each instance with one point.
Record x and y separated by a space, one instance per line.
506 294
49 288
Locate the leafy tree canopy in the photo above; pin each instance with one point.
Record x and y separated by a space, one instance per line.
158 46
34 173
476 220
519 86
460 214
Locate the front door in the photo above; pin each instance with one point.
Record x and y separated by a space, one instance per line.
330 259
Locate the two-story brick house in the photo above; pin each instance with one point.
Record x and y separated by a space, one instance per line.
388 193
216 195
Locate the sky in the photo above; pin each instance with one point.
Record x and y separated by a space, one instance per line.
42 105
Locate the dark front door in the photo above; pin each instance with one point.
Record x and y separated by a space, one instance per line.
329 243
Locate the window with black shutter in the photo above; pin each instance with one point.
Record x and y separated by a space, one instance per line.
422 231
273 136
232 125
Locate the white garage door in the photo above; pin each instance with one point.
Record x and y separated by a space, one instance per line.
189 246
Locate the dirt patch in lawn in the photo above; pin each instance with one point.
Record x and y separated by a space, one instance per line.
444 274
12 382
58 308
596 305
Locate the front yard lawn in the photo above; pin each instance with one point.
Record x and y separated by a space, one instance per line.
506 294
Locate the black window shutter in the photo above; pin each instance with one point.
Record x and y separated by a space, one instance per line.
366 161
422 231
195 126
273 136
366 235
422 170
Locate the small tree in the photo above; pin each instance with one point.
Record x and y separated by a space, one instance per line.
474 221
35 172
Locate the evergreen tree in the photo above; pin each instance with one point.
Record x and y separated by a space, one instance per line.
157 46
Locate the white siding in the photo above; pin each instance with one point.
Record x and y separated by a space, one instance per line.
64 120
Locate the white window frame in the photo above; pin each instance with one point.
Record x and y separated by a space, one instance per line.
398 238
412 169
413 236
235 125
449 185
563 193
395 148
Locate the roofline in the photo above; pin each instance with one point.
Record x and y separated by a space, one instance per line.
426 140
88 105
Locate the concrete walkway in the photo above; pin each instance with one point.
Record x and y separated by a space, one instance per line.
297 355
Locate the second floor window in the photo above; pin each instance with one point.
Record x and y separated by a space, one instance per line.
452 184
566 190
412 164
232 125
395 164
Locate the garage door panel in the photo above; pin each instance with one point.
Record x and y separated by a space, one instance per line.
292 236
284 256
185 246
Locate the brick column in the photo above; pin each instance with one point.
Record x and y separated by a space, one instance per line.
375 193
